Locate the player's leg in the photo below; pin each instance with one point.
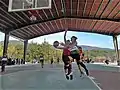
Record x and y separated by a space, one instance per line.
41 61
70 67
64 58
2 66
83 65
77 57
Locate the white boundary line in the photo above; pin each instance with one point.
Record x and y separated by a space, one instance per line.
94 83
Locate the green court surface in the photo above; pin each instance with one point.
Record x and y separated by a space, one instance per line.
48 78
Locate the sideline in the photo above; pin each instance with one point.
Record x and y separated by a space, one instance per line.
94 82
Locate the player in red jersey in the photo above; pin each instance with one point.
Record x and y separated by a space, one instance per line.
66 59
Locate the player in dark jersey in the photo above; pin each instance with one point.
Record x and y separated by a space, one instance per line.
42 60
3 63
75 53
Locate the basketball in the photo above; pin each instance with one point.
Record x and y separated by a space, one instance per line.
56 44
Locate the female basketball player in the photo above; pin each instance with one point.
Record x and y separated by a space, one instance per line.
66 59
75 53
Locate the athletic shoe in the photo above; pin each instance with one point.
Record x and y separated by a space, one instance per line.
67 77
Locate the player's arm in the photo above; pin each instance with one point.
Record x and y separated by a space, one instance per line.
63 44
60 47
65 35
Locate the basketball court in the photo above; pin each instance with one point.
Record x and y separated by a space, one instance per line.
36 78
33 77
28 19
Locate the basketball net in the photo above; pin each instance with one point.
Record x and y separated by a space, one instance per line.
33 15
29 1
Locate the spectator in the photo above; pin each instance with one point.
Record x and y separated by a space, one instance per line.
4 61
17 61
22 61
107 61
58 60
51 61
9 61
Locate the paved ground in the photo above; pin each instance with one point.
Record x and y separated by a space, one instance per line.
33 77
107 80
107 77
48 78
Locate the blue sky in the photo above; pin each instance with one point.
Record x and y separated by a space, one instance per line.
83 39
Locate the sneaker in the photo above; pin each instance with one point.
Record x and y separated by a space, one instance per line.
67 77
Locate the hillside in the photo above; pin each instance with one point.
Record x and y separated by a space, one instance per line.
85 47
14 42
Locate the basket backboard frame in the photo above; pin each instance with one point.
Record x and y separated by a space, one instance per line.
36 8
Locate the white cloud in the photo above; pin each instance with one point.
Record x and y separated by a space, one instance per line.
52 37
49 38
12 38
83 39
119 41
1 36
119 38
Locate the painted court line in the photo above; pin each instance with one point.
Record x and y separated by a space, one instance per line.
91 78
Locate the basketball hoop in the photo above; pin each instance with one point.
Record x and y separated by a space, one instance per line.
33 15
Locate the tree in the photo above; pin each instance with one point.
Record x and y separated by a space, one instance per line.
1 50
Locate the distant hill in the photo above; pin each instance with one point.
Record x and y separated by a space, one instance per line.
13 42
85 47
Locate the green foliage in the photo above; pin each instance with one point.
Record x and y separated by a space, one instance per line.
34 50
108 54
15 50
1 50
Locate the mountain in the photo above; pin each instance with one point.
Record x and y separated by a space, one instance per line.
13 42
85 47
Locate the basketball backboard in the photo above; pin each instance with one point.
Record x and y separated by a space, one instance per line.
22 5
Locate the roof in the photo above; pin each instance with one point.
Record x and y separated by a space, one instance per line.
96 16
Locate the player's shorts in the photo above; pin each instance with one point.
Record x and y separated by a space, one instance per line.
41 61
65 59
3 63
76 56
